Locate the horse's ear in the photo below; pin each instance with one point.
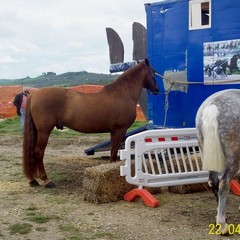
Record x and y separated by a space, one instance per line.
146 61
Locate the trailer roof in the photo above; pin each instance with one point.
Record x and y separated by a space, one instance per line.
164 2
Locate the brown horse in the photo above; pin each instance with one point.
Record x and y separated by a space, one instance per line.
112 109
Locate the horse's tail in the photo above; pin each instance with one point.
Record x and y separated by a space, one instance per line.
29 142
213 158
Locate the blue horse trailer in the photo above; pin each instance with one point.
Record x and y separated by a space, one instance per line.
195 44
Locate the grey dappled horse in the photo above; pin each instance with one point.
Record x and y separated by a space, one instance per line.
218 132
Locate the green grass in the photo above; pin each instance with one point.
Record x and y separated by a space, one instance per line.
39 218
20 228
68 227
58 176
56 199
41 229
34 216
11 126
32 208
103 235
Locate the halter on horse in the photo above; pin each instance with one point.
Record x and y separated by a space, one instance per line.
112 109
217 123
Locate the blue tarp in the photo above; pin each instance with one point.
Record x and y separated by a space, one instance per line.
121 67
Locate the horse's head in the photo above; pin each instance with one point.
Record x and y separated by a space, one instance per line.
150 82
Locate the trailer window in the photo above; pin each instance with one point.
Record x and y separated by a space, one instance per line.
199 14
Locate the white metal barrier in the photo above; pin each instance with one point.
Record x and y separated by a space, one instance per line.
163 157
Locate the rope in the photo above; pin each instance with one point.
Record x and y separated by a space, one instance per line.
172 82
166 105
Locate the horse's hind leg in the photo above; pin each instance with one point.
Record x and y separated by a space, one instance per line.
220 190
213 183
232 167
222 197
42 141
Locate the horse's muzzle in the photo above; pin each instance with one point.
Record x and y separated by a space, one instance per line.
155 91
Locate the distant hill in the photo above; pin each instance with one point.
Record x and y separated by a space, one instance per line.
65 79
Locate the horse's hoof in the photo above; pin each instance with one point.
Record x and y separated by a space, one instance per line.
34 183
225 231
50 185
225 234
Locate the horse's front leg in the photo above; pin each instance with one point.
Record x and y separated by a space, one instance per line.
116 138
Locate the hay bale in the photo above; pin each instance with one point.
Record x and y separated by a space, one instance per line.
190 188
182 189
103 183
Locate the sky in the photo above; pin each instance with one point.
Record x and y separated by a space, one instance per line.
38 36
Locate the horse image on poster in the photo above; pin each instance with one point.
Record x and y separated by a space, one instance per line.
112 109
217 123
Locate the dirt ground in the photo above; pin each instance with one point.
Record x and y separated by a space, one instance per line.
61 213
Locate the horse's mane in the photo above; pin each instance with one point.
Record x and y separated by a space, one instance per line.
129 77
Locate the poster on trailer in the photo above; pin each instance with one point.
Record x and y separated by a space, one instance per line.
221 61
